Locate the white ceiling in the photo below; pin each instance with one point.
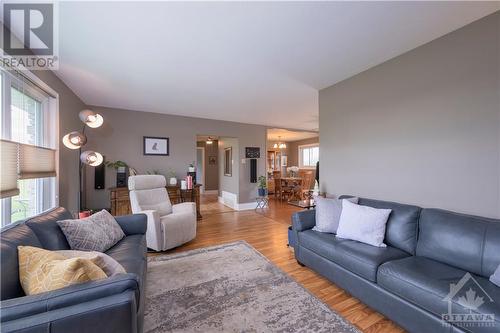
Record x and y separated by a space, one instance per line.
259 62
280 134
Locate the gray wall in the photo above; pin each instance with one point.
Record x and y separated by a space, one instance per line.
293 149
69 107
229 183
211 181
422 128
121 138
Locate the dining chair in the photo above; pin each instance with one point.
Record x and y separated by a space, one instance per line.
277 185
307 177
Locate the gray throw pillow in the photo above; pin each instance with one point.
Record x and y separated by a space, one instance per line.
495 278
109 265
328 212
98 232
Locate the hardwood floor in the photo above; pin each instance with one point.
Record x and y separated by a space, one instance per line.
266 231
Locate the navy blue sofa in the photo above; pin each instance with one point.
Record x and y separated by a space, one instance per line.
409 280
115 304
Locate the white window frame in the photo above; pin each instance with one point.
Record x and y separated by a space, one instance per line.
50 131
299 154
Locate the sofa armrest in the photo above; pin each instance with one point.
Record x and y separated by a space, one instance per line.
114 313
133 224
185 207
20 307
304 220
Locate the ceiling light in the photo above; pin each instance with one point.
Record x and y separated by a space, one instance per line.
209 141
90 118
74 140
279 144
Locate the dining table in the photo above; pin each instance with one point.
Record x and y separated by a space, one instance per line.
291 187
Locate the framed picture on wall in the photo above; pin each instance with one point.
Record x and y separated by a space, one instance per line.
212 160
156 146
228 161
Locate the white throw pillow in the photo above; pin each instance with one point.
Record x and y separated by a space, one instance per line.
109 265
363 224
328 213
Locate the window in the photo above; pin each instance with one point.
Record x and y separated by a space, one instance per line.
27 116
308 155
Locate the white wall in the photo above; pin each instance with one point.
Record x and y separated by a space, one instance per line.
422 128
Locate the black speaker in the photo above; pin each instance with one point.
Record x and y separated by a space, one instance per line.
99 176
253 170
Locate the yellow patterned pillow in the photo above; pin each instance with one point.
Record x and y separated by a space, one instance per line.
42 270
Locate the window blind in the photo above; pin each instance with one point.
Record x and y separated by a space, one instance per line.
8 172
36 162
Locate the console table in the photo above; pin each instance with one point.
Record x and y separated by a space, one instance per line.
120 201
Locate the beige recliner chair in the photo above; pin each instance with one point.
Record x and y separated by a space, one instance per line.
168 225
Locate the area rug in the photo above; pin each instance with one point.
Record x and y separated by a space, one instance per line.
230 288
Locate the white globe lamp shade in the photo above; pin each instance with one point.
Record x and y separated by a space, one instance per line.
91 158
90 118
74 140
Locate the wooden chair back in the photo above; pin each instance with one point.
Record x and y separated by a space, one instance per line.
307 179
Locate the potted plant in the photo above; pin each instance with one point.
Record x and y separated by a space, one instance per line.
262 186
172 177
191 167
119 166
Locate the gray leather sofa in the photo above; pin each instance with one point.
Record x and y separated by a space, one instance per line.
409 281
115 304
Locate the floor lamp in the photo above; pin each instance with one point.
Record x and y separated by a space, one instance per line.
77 139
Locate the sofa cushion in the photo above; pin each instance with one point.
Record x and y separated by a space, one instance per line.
130 253
364 259
468 242
11 237
320 243
426 283
402 225
48 232
359 258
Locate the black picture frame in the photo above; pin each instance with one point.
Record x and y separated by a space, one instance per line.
147 151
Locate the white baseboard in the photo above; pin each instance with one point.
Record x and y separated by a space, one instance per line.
231 200
247 206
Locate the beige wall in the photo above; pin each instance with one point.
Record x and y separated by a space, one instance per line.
211 170
121 138
422 128
293 149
